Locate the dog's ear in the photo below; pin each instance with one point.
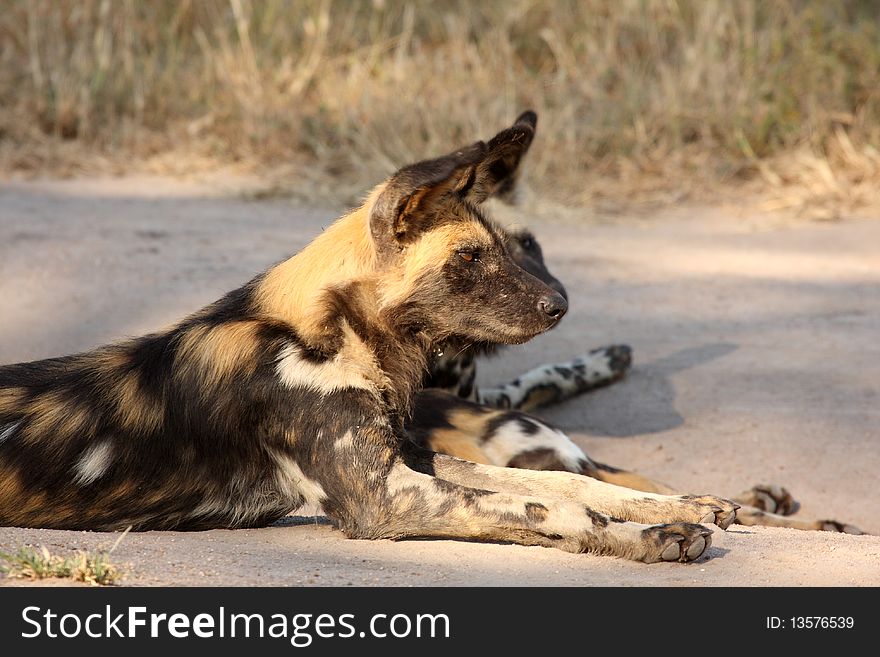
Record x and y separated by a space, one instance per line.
408 203
505 187
496 175
406 206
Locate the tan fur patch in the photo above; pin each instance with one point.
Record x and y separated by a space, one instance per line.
136 411
58 415
19 506
11 399
428 255
458 444
293 290
122 490
10 487
470 423
463 440
112 359
218 352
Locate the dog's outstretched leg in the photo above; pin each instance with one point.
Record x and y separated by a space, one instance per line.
553 383
616 501
416 504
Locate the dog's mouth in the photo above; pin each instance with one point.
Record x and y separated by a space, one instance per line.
519 335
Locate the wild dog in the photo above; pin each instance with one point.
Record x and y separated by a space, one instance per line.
293 389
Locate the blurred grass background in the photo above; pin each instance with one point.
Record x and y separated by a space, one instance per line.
652 100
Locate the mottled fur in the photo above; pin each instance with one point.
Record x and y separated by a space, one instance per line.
293 389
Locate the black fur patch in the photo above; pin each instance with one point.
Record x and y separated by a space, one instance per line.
564 372
470 495
493 425
528 426
607 468
536 512
597 519
432 410
621 358
543 458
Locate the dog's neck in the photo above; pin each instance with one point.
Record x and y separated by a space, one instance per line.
332 294
294 290
395 336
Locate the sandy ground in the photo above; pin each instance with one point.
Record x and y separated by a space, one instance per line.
756 360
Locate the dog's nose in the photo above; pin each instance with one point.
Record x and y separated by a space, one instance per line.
553 305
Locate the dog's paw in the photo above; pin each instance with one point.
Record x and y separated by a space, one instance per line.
711 510
680 541
770 498
617 358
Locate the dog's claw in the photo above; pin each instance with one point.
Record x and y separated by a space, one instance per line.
720 512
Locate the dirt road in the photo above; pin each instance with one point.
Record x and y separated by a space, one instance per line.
756 360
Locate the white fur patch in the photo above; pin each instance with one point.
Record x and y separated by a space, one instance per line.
511 439
345 441
7 430
93 463
293 482
596 367
334 374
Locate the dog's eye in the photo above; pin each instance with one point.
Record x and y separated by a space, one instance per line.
469 256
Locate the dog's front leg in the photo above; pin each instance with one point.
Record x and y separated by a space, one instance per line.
410 504
616 501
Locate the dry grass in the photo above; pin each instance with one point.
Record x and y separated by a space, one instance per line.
650 99
93 568
39 563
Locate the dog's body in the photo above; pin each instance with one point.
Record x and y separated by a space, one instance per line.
293 389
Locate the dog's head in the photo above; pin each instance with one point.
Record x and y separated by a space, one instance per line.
444 264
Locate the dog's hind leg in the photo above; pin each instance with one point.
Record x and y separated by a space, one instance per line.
443 423
553 383
616 501
414 504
